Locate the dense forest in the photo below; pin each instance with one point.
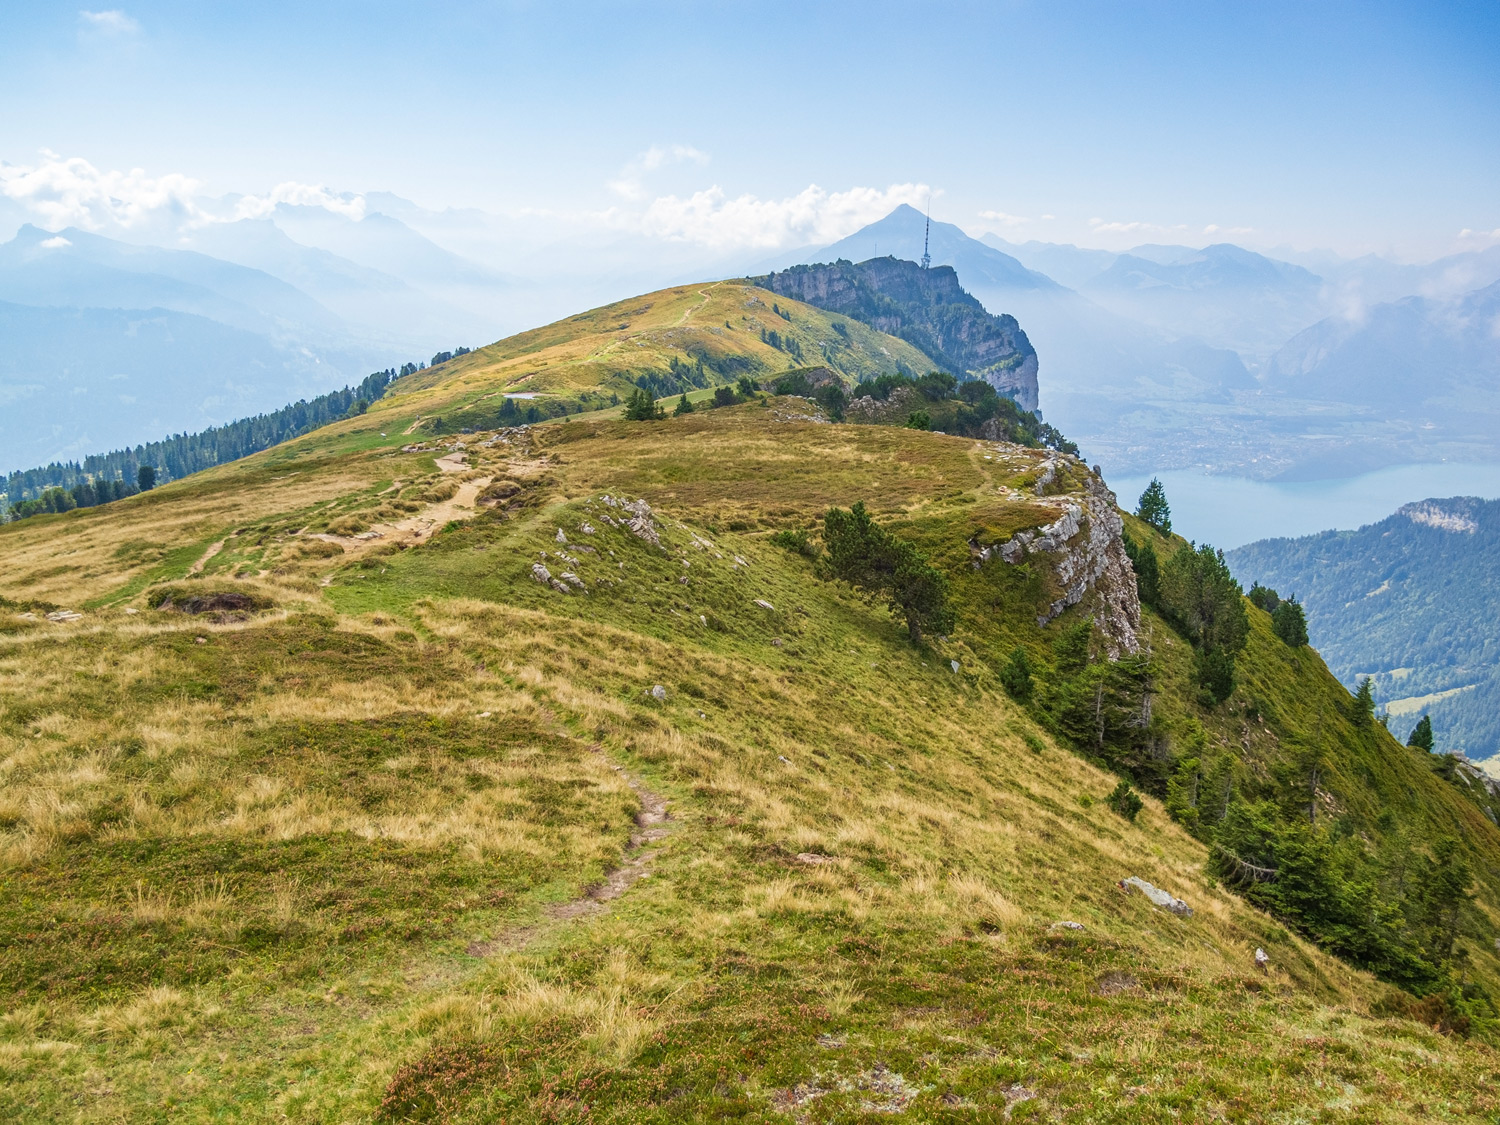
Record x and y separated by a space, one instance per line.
1409 601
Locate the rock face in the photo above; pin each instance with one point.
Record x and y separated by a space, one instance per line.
926 308
1086 551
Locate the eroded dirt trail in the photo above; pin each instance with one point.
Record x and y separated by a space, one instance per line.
651 825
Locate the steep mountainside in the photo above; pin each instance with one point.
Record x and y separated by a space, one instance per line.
1411 600
547 773
928 309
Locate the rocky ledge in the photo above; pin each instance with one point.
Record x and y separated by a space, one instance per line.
1085 549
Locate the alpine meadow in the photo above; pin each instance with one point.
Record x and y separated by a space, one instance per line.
711 706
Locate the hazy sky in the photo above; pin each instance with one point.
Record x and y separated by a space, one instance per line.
1368 126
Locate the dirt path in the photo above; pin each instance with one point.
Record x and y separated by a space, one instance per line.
650 826
213 549
705 294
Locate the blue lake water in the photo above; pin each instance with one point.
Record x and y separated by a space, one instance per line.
1231 511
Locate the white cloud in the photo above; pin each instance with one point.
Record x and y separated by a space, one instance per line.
1480 235
111 22
1215 228
711 219
63 192
630 183
55 243
300 195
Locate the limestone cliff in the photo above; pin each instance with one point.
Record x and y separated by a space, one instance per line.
926 308
1084 550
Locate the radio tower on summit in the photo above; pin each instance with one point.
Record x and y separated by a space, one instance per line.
926 234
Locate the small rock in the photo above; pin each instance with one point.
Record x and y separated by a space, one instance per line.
561 538
739 561
764 604
1158 896
954 665
131 610
658 692
1262 962
560 587
1066 926
783 758
573 579
703 620
541 573
777 641
586 528
200 640
484 714
813 859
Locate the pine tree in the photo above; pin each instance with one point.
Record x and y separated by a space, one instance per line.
145 477
1153 507
1421 735
1289 623
641 407
1364 703
683 406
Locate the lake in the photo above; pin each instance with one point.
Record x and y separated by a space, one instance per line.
1231 511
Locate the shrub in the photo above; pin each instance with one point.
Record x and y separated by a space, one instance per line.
797 542
1125 801
1015 676
641 407
919 420
863 554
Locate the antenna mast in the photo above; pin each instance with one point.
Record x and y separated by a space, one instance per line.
926 235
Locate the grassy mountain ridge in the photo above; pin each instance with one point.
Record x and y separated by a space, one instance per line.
363 845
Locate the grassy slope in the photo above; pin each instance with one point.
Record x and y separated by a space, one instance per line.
256 877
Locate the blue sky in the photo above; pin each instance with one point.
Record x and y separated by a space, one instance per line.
1363 126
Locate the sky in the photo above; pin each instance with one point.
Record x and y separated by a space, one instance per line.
1354 126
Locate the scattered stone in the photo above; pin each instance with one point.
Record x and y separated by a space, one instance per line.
541 573
777 641
561 587
200 640
783 758
62 616
1262 962
586 528
569 577
1066 926
703 620
27 616
484 714
658 692
830 1042
764 604
561 538
1158 896
367 535
813 859
128 609
954 665
640 523
740 562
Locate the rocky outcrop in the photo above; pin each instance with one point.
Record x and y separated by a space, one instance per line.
897 408
926 308
1085 550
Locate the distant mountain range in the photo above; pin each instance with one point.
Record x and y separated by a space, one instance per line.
1412 601
1223 359
1213 358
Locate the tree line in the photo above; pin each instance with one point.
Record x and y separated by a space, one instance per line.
103 477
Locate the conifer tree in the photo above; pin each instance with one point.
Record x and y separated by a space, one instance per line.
1289 623
641 407
145 477
1364 702
1153 507
683 406
1421 735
